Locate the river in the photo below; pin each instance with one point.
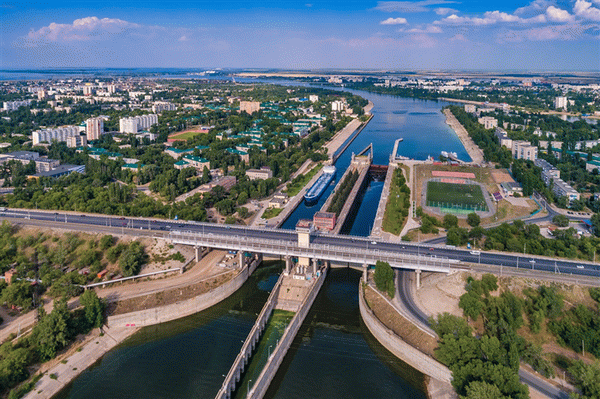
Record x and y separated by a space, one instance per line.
334 355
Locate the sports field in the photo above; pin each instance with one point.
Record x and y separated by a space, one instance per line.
455 196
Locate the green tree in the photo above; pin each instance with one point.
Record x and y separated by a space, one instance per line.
132 259
450 221
483 390
384 278
560 220
52 333
471 305
106 242
473 219
93 308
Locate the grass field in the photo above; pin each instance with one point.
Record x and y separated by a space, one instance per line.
449 195
185 135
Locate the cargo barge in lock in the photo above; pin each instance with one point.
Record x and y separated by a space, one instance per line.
317 189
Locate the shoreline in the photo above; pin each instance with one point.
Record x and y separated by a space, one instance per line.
472 149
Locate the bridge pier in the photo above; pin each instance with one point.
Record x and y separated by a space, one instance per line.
198 250
288 265
365 268
241 258
418 273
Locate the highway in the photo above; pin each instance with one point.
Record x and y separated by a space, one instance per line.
90 221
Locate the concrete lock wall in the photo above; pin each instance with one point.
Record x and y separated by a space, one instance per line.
270 369
179 309
399 348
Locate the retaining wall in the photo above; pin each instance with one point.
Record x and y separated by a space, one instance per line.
181 309
399 348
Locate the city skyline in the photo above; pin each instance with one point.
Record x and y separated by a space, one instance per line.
428 34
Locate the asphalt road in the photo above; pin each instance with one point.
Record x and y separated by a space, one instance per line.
90 221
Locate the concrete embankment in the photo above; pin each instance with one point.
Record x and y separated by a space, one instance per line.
378 222
440 376
474 151
183 308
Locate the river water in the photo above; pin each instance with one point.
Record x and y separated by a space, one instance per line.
334 355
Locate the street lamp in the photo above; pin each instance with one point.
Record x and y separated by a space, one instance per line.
248 390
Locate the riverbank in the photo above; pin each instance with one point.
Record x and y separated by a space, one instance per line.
59 372
405 341
473 150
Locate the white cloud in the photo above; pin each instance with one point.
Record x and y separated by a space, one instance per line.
427 29
80 30
534 8
409 6
584 9
394 21
558 15
445 11
459 38
490 18
183 38
551 32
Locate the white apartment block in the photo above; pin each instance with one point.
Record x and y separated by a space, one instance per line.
161 106
94 128
488 122
313 98
560 103
524 150
249 106
562 189
470 108
77 141
137 123
15 105
503 138
337 106
549 171
54 134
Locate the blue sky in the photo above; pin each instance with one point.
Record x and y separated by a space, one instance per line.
395 35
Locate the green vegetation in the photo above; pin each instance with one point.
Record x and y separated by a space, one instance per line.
271 212
429 224
384 278
342 192
398 204
499 349
473 219
560 220
301 180
518 237
52 333
455 196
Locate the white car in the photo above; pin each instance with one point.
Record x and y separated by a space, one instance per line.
580 267
475 253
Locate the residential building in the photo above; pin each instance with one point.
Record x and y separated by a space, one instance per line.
196 162
137 123
549 171
161 106
560 103
337 106
60 134
262 173
313 98
177 152
561 188
249 107
15 105
470 108
44 164
94 128
524 150
77 141
503 139
488 122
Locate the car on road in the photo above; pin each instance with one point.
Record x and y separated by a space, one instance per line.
475 252
373 242
431 249
580 267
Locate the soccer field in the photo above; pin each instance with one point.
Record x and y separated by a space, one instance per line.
459 196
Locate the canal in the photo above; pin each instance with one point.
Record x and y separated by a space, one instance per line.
334 355
423 128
